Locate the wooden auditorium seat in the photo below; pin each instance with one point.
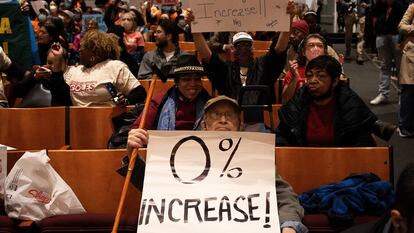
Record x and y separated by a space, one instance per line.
261 45
309 168
149 46
259 53
91 127
274 114
187 46
306 168
92 176
33 128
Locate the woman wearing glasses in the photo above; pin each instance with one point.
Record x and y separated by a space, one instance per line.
311 47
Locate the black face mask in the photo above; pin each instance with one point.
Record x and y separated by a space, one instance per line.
295 44
243 56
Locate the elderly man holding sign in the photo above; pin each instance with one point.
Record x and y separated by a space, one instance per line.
223 114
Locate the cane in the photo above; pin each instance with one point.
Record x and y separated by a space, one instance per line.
133 156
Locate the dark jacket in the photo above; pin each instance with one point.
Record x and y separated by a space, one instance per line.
353 120
156 105
262 71
388 26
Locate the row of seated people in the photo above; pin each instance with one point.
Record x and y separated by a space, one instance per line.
324 94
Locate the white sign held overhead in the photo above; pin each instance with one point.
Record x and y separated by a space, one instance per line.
239 15
209 181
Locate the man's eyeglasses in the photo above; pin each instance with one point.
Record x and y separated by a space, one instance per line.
227 115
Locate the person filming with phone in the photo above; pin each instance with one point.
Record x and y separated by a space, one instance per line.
100 79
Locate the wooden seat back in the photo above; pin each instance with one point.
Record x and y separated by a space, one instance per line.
149 46
261 45
187 46
33 128
92 173
274 114
306 168
259 53
91 127
92 176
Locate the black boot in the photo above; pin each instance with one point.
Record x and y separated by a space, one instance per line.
383 130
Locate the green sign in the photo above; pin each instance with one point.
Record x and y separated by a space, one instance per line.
14 34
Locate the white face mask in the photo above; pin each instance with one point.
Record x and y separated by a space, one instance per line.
53 9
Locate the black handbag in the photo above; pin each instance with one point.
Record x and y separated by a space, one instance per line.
39 96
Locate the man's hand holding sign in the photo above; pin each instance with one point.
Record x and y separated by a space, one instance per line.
214 179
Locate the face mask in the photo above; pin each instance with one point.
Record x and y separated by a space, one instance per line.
127 25
42 18
53 9
243 56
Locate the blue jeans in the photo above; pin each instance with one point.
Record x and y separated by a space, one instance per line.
406 120
388 49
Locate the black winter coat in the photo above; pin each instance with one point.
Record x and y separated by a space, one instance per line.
353 120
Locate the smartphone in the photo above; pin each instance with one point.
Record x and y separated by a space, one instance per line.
112 90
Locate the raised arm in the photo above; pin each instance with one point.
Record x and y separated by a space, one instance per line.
283 41
199 41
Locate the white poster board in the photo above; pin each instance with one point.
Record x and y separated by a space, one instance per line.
204 182
37 5
239 15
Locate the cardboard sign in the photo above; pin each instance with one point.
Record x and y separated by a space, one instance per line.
37 5
199 181
239 15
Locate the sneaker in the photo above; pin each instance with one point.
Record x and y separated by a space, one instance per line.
405 133
380 99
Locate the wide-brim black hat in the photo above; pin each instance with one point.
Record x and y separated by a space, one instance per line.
187 64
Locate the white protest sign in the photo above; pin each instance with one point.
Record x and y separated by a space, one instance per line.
37 5
205 181
239 15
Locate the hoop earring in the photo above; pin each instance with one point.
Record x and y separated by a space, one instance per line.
93 59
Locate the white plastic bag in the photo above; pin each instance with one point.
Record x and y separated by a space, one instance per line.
34 190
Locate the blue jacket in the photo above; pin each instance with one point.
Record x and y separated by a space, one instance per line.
355 195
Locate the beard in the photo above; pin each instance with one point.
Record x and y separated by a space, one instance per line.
161 44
